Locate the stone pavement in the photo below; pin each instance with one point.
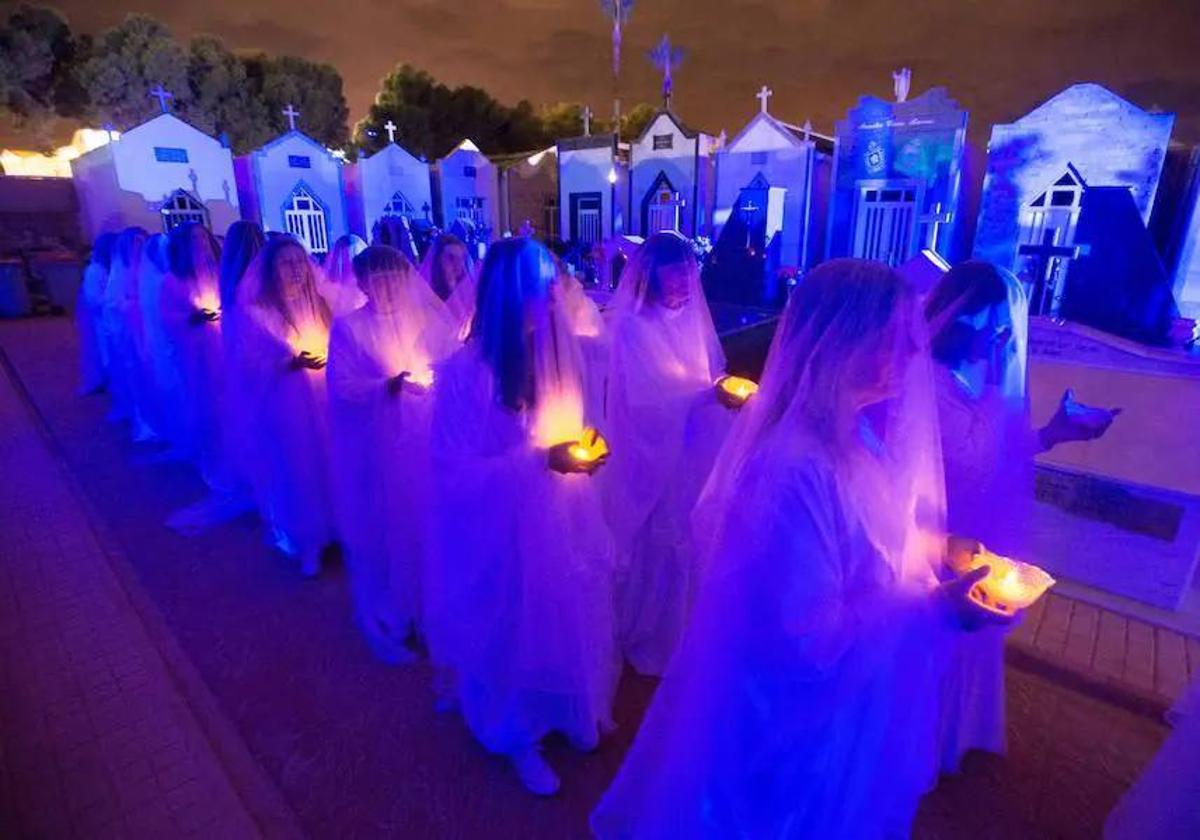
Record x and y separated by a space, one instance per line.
99 738
272 674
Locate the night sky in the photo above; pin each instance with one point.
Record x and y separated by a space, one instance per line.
998 58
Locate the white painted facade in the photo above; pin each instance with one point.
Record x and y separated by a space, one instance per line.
155 175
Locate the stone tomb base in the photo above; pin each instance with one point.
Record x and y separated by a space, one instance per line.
1122 513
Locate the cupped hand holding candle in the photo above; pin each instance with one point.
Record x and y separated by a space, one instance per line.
208 308
1009 585
585 455
735 391
311 346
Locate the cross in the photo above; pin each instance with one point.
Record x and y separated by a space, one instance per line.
764 93
807 129
1047 258
390 128
291 114
162 95
195 179
934 219
587 121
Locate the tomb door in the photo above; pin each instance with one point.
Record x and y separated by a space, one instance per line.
885 220
751 211
1049 222
661 207
305 219
585 218
470 209
399 206
181 208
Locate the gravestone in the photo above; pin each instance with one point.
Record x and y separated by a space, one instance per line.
1121 513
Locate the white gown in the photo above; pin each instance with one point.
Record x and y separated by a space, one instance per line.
198 356
381 463
287 433
1164 803
518 601
802 702
89 313
666 427
987 447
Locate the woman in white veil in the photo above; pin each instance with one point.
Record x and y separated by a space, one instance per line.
282 346
380 376
518 605
191 312
803 699
89 315
336 281
978 318
450 272
665 424
123 333
160 370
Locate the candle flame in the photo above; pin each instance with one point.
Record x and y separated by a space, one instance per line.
738 386
559 419
1010 585
312 339
208 302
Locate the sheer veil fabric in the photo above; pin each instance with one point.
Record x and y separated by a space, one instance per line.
665 426
517 594
988 444
803 699
336 281
282 313
381 461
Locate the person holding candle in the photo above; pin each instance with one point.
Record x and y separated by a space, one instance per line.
160 386
123 332
518 604
336 282
449 270
665 425
380 375
283 340
802 701
978 318
191 311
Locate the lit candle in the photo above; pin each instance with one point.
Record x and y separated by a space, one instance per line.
313 341
209 303
736 390
590 447
1010 585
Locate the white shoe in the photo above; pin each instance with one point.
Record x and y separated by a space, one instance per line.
538 776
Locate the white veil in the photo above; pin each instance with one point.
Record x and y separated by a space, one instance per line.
303 321
336 281
891 474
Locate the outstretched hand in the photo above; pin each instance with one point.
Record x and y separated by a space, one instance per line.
1075 421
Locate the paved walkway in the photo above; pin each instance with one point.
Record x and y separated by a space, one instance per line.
253 682
99 739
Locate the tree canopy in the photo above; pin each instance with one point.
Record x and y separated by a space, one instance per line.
48 72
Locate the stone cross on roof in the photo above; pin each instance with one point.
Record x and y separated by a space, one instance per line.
162 95
390 128
764 93
291 113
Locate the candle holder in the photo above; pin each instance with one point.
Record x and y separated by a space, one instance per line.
735 391
1010 585
590 450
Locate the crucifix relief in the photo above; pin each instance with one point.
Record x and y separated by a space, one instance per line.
1050 261
935 218
162 95
291 113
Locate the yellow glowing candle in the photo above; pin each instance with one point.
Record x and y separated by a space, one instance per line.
736 390
209 303
590 447
1010 585
422 377
313 341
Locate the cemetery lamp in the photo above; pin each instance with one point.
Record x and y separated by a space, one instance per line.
612 175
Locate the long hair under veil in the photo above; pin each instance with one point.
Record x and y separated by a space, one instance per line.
640 291
890 463
524 336
242 243
193 257
261 288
